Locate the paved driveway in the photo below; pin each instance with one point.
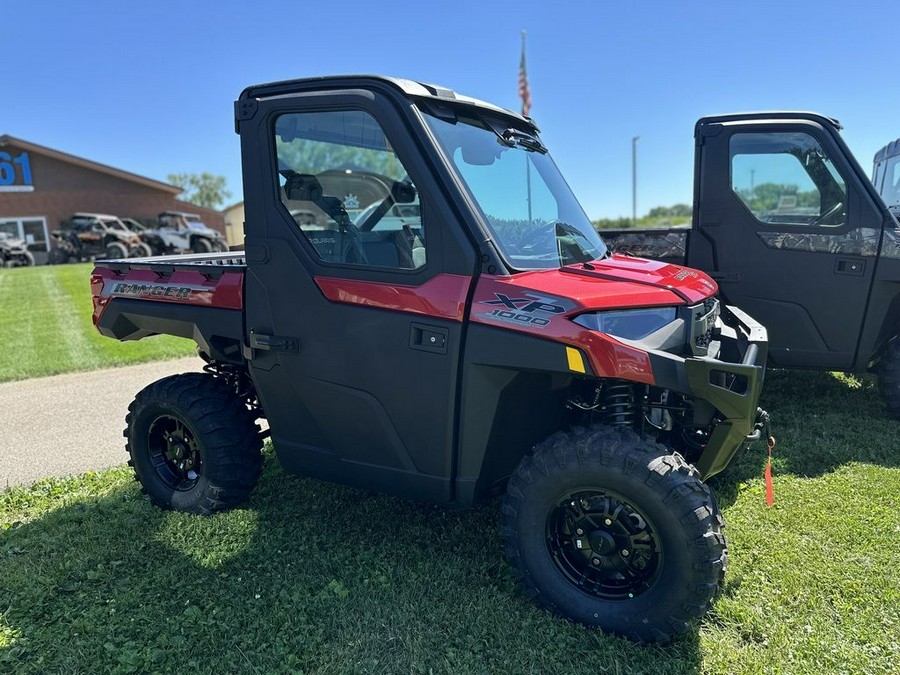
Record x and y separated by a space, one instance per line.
66 424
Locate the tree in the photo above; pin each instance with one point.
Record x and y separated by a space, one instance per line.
205 189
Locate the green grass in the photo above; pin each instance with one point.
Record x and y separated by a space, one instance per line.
45 318
316 578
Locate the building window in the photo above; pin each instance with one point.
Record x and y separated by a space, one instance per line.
32 230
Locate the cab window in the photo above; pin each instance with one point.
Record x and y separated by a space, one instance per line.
787 179
347 191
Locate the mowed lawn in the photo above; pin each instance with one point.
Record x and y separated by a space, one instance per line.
45 321
315 578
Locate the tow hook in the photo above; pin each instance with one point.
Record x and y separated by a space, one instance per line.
762 428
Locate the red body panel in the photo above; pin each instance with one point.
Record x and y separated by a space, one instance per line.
543 304
443 297
622 282
187 287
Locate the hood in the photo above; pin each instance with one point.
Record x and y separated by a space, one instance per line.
150 232
620 282
12 242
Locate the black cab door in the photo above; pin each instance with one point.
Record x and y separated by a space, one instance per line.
788 231
357 282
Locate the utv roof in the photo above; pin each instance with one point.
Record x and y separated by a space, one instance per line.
892 149
98 216
770 115
410 88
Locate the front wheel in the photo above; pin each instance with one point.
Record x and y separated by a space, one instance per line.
614 532
193 443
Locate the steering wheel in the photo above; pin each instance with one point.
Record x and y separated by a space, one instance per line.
536 236
825 217
377 214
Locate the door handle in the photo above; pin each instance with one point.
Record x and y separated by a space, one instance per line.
275 343
854 267
428 338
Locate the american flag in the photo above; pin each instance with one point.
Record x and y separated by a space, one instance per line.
524 91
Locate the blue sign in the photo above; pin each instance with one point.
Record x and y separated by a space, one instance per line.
15 173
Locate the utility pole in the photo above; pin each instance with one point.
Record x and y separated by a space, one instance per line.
634 140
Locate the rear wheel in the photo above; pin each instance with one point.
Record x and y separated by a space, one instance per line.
142 250
28 259
116 250
614 532
58 256
889 376
193 443
201 245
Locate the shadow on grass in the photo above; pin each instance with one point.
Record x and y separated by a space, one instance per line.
821 422
309 577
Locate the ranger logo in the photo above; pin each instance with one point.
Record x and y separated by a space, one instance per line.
152 290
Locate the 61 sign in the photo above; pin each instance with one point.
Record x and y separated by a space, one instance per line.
15 173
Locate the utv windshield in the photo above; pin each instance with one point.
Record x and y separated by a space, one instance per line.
533 215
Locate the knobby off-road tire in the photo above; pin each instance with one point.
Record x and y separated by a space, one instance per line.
889 376
58 256
612 531
201 245
116 251
142 250
193 444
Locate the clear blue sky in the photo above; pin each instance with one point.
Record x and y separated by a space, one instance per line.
148 87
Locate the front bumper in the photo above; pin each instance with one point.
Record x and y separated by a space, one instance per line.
730 383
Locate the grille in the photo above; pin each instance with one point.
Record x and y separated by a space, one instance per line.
703 325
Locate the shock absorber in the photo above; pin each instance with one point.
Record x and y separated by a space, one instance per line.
617 407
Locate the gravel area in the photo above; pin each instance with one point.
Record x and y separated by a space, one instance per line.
68 424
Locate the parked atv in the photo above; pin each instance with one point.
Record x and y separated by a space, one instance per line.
149 236
183 232
95 235
457 340
14 252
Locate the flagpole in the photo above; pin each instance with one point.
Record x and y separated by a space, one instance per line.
525 93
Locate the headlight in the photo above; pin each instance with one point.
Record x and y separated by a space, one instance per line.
679 330
632 324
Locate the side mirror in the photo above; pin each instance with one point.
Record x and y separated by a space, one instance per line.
403 192
302 187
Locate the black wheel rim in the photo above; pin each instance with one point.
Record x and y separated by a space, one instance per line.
174 453
604 545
